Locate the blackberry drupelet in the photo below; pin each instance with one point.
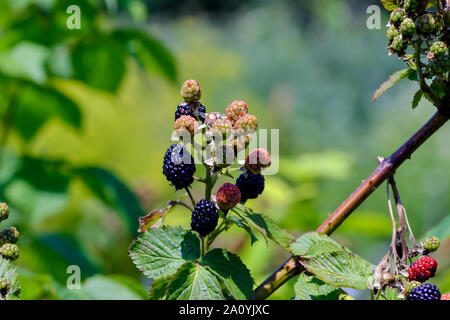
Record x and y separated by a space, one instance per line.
204 217
175 169
425 292
251 185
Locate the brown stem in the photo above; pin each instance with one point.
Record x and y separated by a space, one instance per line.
386 169
401 231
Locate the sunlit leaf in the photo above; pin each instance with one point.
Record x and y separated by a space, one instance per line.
392 80
310 288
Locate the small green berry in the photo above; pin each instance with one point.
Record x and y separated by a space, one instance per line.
398 44
4 211
392 32
411 285
398 15
439 48
191 91
411 5
408 27
4 284
9 251
431 244
426 23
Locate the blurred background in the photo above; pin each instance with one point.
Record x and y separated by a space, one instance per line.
86 116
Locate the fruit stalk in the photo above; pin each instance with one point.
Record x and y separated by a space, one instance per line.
386 169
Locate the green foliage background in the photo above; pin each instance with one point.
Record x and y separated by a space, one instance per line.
86 116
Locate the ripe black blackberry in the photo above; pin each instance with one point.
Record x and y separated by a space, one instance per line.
178 166
204 217
251 185
184 109
425 292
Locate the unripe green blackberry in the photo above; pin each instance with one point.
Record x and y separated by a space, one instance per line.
392 32
4 211
9 251
431 244
191 91
408 27
246 123
441 64
397 15
257 159
426 23
398 44
187 123
9 235
411 5
236 109
222 127
411 285
439 48
4 284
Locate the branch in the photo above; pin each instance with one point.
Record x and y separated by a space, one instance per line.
386 169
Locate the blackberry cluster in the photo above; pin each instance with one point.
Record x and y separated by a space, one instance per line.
251 185
204 217
9 251
410 26
179 173
425 292
8 237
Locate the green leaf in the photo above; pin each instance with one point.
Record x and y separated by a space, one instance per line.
152 219
9 272
340 269
242 223
390 294
158 289
389 4
159 253
114 193
393 79
417 97
439 89
151 54
99 62
35 105
101 287
231 271
312 244
310 288
267 227
194 282
441 230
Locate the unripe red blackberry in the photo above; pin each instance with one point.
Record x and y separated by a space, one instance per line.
251 185
9 251
425 292
228 196
204 217
257 159
9 235
191 91
426 23
236 109
411 285
4 284
187 123
397 15
423 269
4 211
408 27
431 244
246 123
445 296
178 166
222 127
